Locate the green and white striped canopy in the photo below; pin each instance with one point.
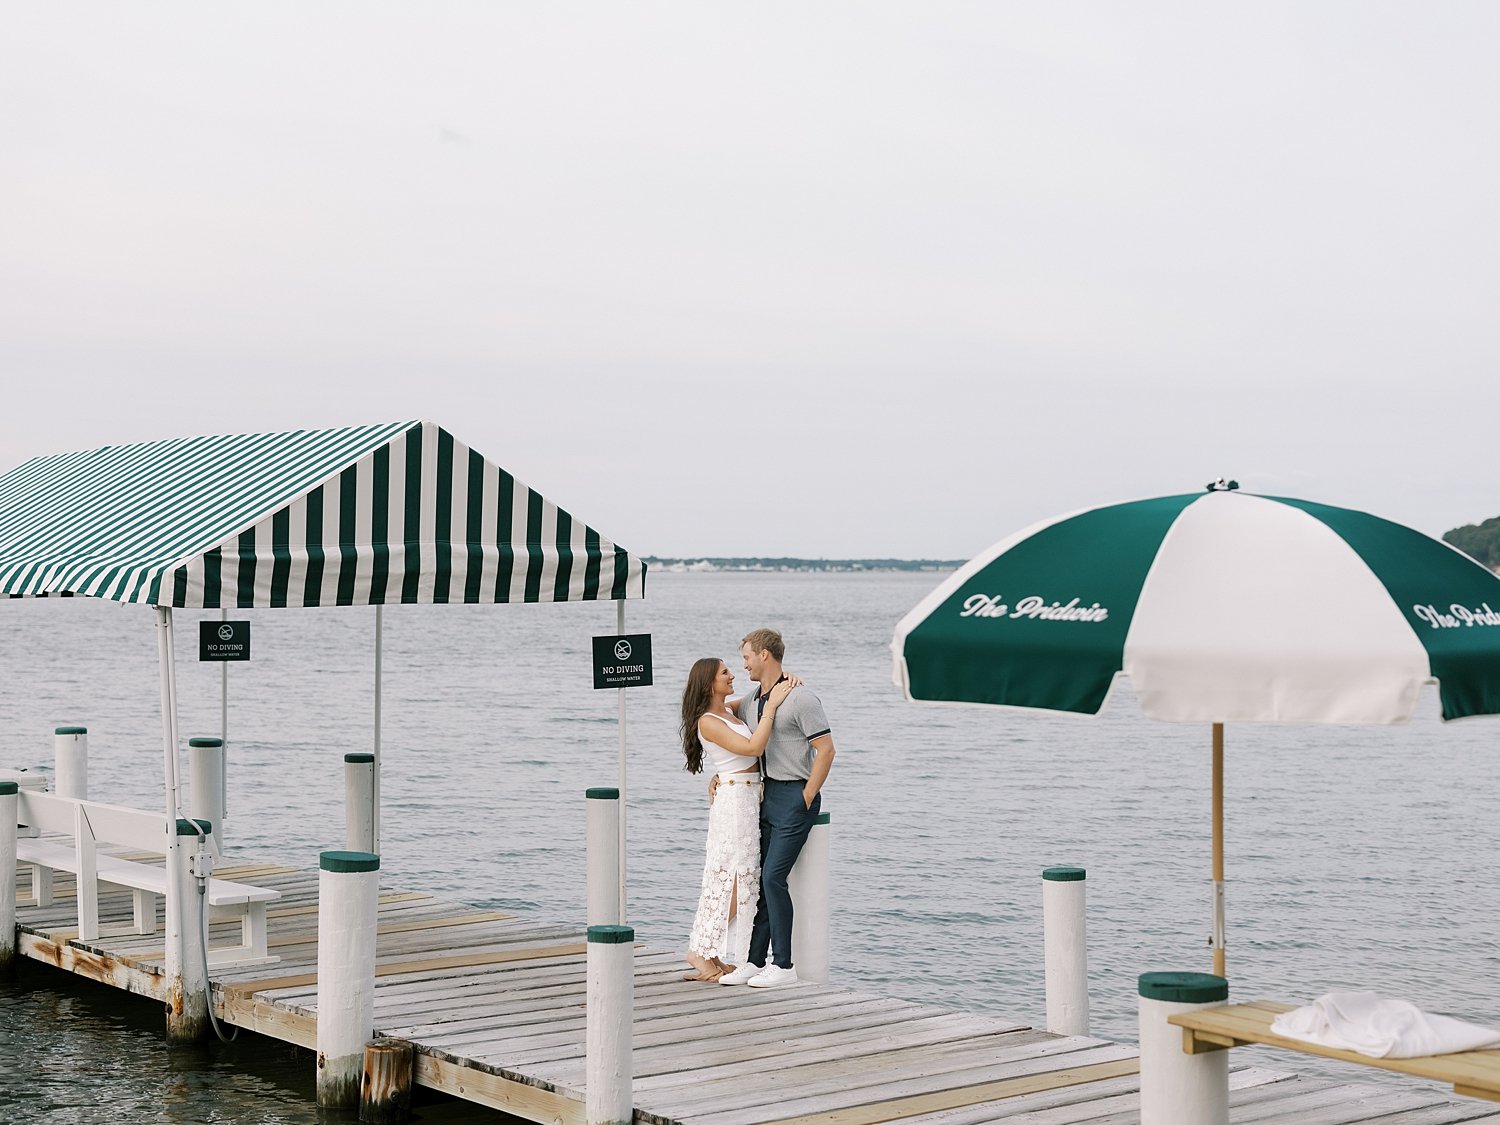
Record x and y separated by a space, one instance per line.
364 515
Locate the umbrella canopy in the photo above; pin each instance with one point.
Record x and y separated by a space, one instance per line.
361 515
1220 607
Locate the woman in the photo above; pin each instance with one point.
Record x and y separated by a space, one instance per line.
731 872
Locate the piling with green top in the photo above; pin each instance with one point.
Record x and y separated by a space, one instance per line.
359 801
187 988
1178 1088
348 896
810 883
9 798
70 762
610 1009
603 848
206 795
1065 950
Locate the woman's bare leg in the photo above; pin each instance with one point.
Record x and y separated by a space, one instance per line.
734 905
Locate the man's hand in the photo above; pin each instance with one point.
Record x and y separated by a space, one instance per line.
713 788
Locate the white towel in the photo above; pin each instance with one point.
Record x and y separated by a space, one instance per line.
1380 1027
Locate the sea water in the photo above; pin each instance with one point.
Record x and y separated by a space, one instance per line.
1357 857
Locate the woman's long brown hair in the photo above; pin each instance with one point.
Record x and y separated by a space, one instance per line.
696 699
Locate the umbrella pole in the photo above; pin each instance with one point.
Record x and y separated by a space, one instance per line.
1217 941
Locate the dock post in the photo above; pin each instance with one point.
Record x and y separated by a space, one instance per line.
348 896
70 756
809 884
610 1011
359 802
385 1089
206 796
1178 1088
1066 950
603 857
187 1001
9 799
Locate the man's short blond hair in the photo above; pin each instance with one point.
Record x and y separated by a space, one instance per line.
766 640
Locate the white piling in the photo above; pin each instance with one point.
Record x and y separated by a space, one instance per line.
8 802
611 1009
206 779
1178 1088
70 755
1066 950
603 857
810 887
348 895
359 802
187 1003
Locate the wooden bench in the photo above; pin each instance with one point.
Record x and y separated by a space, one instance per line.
1474 1074
69 834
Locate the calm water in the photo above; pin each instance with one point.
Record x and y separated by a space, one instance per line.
1357 857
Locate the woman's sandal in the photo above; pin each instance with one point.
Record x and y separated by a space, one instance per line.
708 972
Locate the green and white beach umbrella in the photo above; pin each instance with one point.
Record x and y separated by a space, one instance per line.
1220 607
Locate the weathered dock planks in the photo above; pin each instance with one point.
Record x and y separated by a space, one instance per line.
495 1006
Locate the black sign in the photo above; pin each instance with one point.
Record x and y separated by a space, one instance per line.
223 640
622 661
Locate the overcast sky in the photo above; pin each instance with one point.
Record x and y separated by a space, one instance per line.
823 279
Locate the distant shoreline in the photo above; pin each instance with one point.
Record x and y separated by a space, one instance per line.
711 564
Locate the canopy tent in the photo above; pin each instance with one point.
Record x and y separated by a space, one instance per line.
366 515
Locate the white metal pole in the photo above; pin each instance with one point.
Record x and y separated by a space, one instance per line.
1065 945
9 798
348 897
1178 1088
603 857
223 733
375 787
610 1008
359 802
70 761
624 912
809 886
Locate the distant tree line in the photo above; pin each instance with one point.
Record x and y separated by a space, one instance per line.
1480 541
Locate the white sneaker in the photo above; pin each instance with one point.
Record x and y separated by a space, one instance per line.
741 974
772 976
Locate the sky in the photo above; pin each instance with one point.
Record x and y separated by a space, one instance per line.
834 279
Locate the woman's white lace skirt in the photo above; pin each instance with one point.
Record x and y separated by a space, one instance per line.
731 869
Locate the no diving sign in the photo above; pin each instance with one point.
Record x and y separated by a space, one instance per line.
223 640
622 661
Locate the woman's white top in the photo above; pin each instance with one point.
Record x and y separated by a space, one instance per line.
727 761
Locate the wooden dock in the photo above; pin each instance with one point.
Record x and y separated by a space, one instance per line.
495 1006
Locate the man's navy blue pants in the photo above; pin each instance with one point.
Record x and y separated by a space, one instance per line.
785 822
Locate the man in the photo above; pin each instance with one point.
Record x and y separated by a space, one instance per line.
796 763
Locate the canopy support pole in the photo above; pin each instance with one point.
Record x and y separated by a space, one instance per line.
375 787
620 628
1217 941
223 735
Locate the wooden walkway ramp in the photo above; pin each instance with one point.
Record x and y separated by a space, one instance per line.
495 1006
